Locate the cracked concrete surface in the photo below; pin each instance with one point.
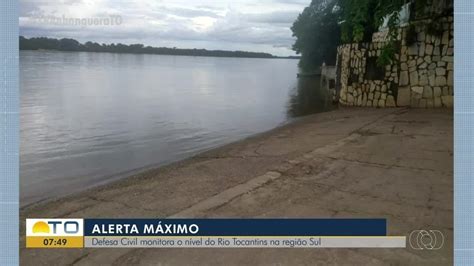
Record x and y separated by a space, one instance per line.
353 162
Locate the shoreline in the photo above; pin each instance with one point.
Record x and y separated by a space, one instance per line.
135 173
104 52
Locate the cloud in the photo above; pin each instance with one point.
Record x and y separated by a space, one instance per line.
29 9
190 12
285 17
262 26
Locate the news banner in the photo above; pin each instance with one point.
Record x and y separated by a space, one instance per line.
210 233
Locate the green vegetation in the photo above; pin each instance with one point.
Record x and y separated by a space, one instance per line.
325 24
43 43
317 34
363 17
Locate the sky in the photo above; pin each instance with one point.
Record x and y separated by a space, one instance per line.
249 25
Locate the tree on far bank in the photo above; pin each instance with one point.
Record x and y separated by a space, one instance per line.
66 44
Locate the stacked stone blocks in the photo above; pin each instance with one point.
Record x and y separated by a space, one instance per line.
422 75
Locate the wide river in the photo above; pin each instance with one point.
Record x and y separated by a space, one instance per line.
89 118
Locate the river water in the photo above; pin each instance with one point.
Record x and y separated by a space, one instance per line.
88 118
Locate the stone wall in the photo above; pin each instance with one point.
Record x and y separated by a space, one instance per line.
422 75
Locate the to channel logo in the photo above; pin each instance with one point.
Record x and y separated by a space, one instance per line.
54 233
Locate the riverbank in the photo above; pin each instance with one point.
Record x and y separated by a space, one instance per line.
353 162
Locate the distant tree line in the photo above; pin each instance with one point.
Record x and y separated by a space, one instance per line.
65 44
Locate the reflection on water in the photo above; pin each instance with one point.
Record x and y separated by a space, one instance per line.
308 98
88 118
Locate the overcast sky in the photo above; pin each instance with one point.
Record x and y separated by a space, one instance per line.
260 26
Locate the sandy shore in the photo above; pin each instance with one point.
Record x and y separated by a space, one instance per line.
385 163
